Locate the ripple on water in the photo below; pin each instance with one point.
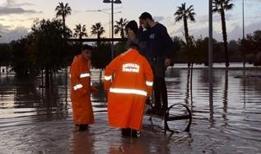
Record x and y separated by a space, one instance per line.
42 123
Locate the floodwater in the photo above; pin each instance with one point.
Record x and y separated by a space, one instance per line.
35 120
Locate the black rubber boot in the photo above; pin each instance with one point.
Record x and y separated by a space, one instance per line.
83 127
125 132
134 133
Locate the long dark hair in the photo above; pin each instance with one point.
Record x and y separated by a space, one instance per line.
133 26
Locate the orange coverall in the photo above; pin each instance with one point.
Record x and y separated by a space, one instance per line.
129 81
81 90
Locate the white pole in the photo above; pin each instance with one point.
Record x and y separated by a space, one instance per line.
210 53
112 30
243 28
243 15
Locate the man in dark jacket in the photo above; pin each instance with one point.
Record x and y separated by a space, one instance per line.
156 45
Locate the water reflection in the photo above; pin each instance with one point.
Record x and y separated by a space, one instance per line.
211 107
25 97
128 146
225 98
53 102
82 143
226 115
187 87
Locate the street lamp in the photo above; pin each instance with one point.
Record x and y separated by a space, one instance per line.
112 26
107 13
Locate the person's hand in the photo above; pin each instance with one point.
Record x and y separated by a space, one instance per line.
106 93
94 90
147 101
167 62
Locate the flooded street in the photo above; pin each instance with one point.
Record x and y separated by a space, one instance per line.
35 120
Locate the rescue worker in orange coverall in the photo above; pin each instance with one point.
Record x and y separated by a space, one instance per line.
128 82
81 89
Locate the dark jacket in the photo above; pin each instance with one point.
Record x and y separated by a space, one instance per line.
156 45
156 42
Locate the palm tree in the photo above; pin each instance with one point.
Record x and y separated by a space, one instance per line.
80 31
98 30
185 14
220 6
120 26
63 11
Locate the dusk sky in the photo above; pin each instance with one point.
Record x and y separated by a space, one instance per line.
17 16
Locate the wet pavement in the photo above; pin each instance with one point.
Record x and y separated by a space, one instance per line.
33 120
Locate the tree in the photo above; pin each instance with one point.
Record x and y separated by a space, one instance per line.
49 46
252 44
63 11
185 14
101 57
5 54
22 61
120 27
98 30
220 6
80 31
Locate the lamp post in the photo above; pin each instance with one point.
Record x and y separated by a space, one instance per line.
244 54
107 13
210 58
243 16
112 24
109 18
210 39
243 31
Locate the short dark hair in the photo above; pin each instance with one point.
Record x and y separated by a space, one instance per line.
145 15
87 47
133 26
133 44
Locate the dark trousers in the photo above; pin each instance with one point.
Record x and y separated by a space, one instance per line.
160 94
160 99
